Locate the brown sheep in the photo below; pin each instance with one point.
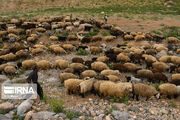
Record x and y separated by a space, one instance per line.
77 60
95 50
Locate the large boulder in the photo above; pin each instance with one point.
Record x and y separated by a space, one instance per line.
43 115
24 106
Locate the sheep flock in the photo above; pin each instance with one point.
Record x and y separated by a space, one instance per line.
125 63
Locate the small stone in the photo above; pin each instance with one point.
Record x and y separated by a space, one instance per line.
133 108
82 117
75 119
119 105
3 117
62 115
108 117
42 115
164 111
120 115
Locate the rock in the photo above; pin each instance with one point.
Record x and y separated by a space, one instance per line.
153 111
9 115
6 107
24 107
120 115
28 115
3 117
62 115
43 115
119 105
82 117
164 111
134 109
3 78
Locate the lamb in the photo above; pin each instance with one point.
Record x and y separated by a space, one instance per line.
53 38
95 50
103 59
110 72
131 67
68 47
133 79
77 60
160 66
65 76
27 64
113 78
8 57
172 40
89 73
86 86
10 69
139 37
175 79
62 64
99 66
143 90
109 38
145 74
78 67
43 64
120 67
72 85
123 58
168 89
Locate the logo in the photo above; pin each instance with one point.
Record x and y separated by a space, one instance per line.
19 91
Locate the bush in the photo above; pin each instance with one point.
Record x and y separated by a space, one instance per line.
172 104
56 105
82 52
72 114
91 34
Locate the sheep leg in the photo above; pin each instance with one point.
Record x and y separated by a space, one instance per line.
137 97
82 95
69 92
147 98
175 96
168 96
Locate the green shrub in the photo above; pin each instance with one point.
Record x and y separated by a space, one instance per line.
82 52
72 114
105 33
172 104
91 34
56 105
3 112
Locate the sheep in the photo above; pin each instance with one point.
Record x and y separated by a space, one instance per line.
96 38
151 51
165 59
4 51
96 86
139 37
149 60
2 66
95 50
72 85
53 38
65 76
117 31
172 40
136 58
160 48
62 64
133 79
58 49
3 33
119 66
123 58
27 64
8 57
10 69
113 78
178 51
175 79
86 86
72 38
40 46
168 89
43 64
99 66
131 67
109 72
143 90
128 37
175 60
101 77
107 88
68 47
117 50
158 76
77 60
21 54
78 67
145 74
160 66
109 38
68 70
40 29
103 59
89 73
36 51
